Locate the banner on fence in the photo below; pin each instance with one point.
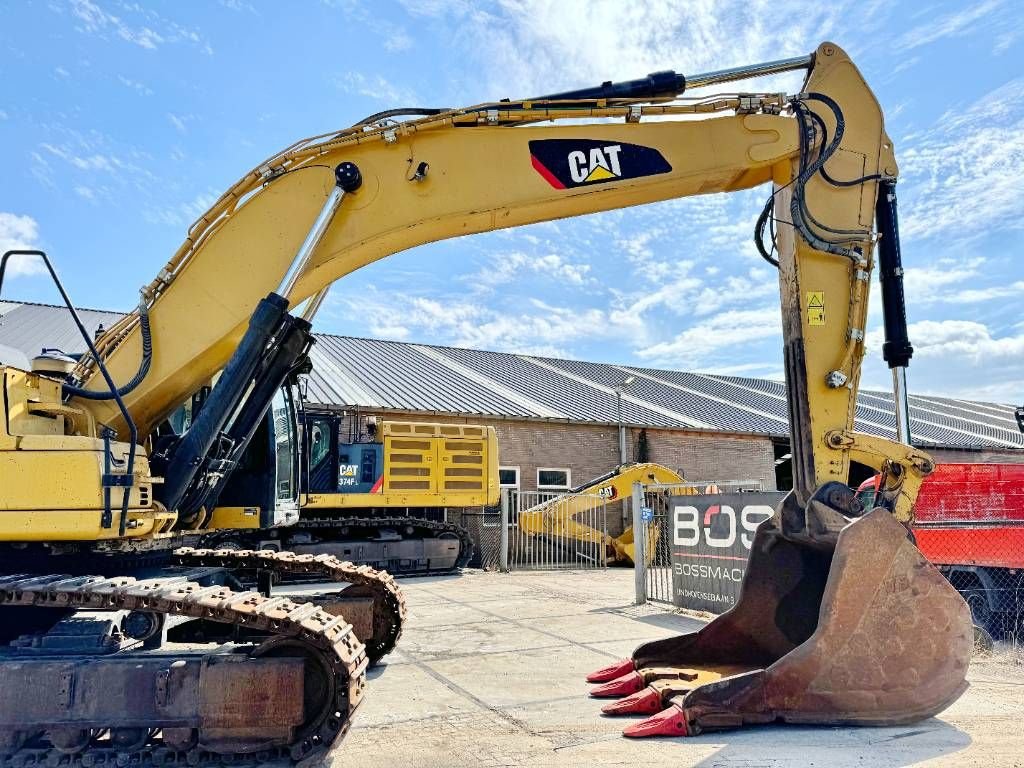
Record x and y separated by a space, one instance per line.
710 538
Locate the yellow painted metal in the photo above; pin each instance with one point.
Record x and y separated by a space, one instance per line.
428 465
556 517
235 518
481 179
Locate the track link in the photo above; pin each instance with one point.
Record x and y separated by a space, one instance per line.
329 638
389 603
466 545
335 527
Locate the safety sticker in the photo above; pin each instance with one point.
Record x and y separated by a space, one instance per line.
815 307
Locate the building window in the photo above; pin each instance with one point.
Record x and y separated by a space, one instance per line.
552 479
508 477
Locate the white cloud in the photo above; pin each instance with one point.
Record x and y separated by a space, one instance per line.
959 358
20 233
507 267
398 40
961 22
180 122
959 173
95 19
147 29
374 87
92 162
545 46
3 115
85 192
182 214
705 343
135 85
533 327
61 72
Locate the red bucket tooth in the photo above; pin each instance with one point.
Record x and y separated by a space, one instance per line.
668 722
618 669
645 702
620 686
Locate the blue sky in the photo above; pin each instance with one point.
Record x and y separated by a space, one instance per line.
120 122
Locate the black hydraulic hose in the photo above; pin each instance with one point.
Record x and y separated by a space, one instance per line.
807 171
824 171
147 360
402 112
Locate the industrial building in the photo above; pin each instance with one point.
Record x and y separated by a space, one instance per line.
557 420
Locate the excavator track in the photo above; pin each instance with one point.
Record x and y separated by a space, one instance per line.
438 529
334 529
389 603
72 732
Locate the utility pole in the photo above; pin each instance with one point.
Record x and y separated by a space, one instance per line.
618 411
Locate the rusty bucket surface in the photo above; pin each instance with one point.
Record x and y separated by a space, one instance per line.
862 632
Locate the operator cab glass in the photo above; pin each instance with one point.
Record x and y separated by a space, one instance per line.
267 477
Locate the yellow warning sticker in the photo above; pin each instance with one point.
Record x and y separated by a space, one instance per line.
815 307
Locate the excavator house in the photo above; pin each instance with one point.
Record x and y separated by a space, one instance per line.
105 502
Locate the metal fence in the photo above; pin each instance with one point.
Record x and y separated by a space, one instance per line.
652 515
545 530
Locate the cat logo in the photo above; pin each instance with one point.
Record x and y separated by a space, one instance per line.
603 163
568 163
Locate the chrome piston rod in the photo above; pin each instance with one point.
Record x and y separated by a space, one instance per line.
749 71
347 179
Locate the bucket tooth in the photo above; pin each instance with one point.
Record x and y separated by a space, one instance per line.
612 671
645 702
856 629
671 721
620 686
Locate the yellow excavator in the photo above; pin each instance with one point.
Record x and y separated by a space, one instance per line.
557 518
841 620
381 499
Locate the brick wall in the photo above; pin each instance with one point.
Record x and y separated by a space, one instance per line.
589 451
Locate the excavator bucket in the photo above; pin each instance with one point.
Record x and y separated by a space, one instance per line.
623 548
862 631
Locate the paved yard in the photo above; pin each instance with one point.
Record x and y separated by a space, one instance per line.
490 672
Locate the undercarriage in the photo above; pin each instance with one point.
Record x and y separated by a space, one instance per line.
105 670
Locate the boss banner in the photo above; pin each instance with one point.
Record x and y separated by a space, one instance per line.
710 539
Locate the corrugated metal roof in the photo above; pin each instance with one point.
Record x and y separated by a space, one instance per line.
398 376
29 328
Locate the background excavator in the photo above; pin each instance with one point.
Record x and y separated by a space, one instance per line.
557 518
841 619
380 497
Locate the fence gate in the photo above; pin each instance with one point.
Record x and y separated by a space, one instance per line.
544 530
652 514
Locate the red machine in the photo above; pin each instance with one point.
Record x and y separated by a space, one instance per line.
970 523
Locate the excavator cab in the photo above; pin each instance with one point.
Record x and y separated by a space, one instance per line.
263 490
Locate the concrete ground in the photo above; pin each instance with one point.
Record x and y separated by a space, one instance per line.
490 672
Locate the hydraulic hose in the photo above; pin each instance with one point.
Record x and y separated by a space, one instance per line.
144 365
